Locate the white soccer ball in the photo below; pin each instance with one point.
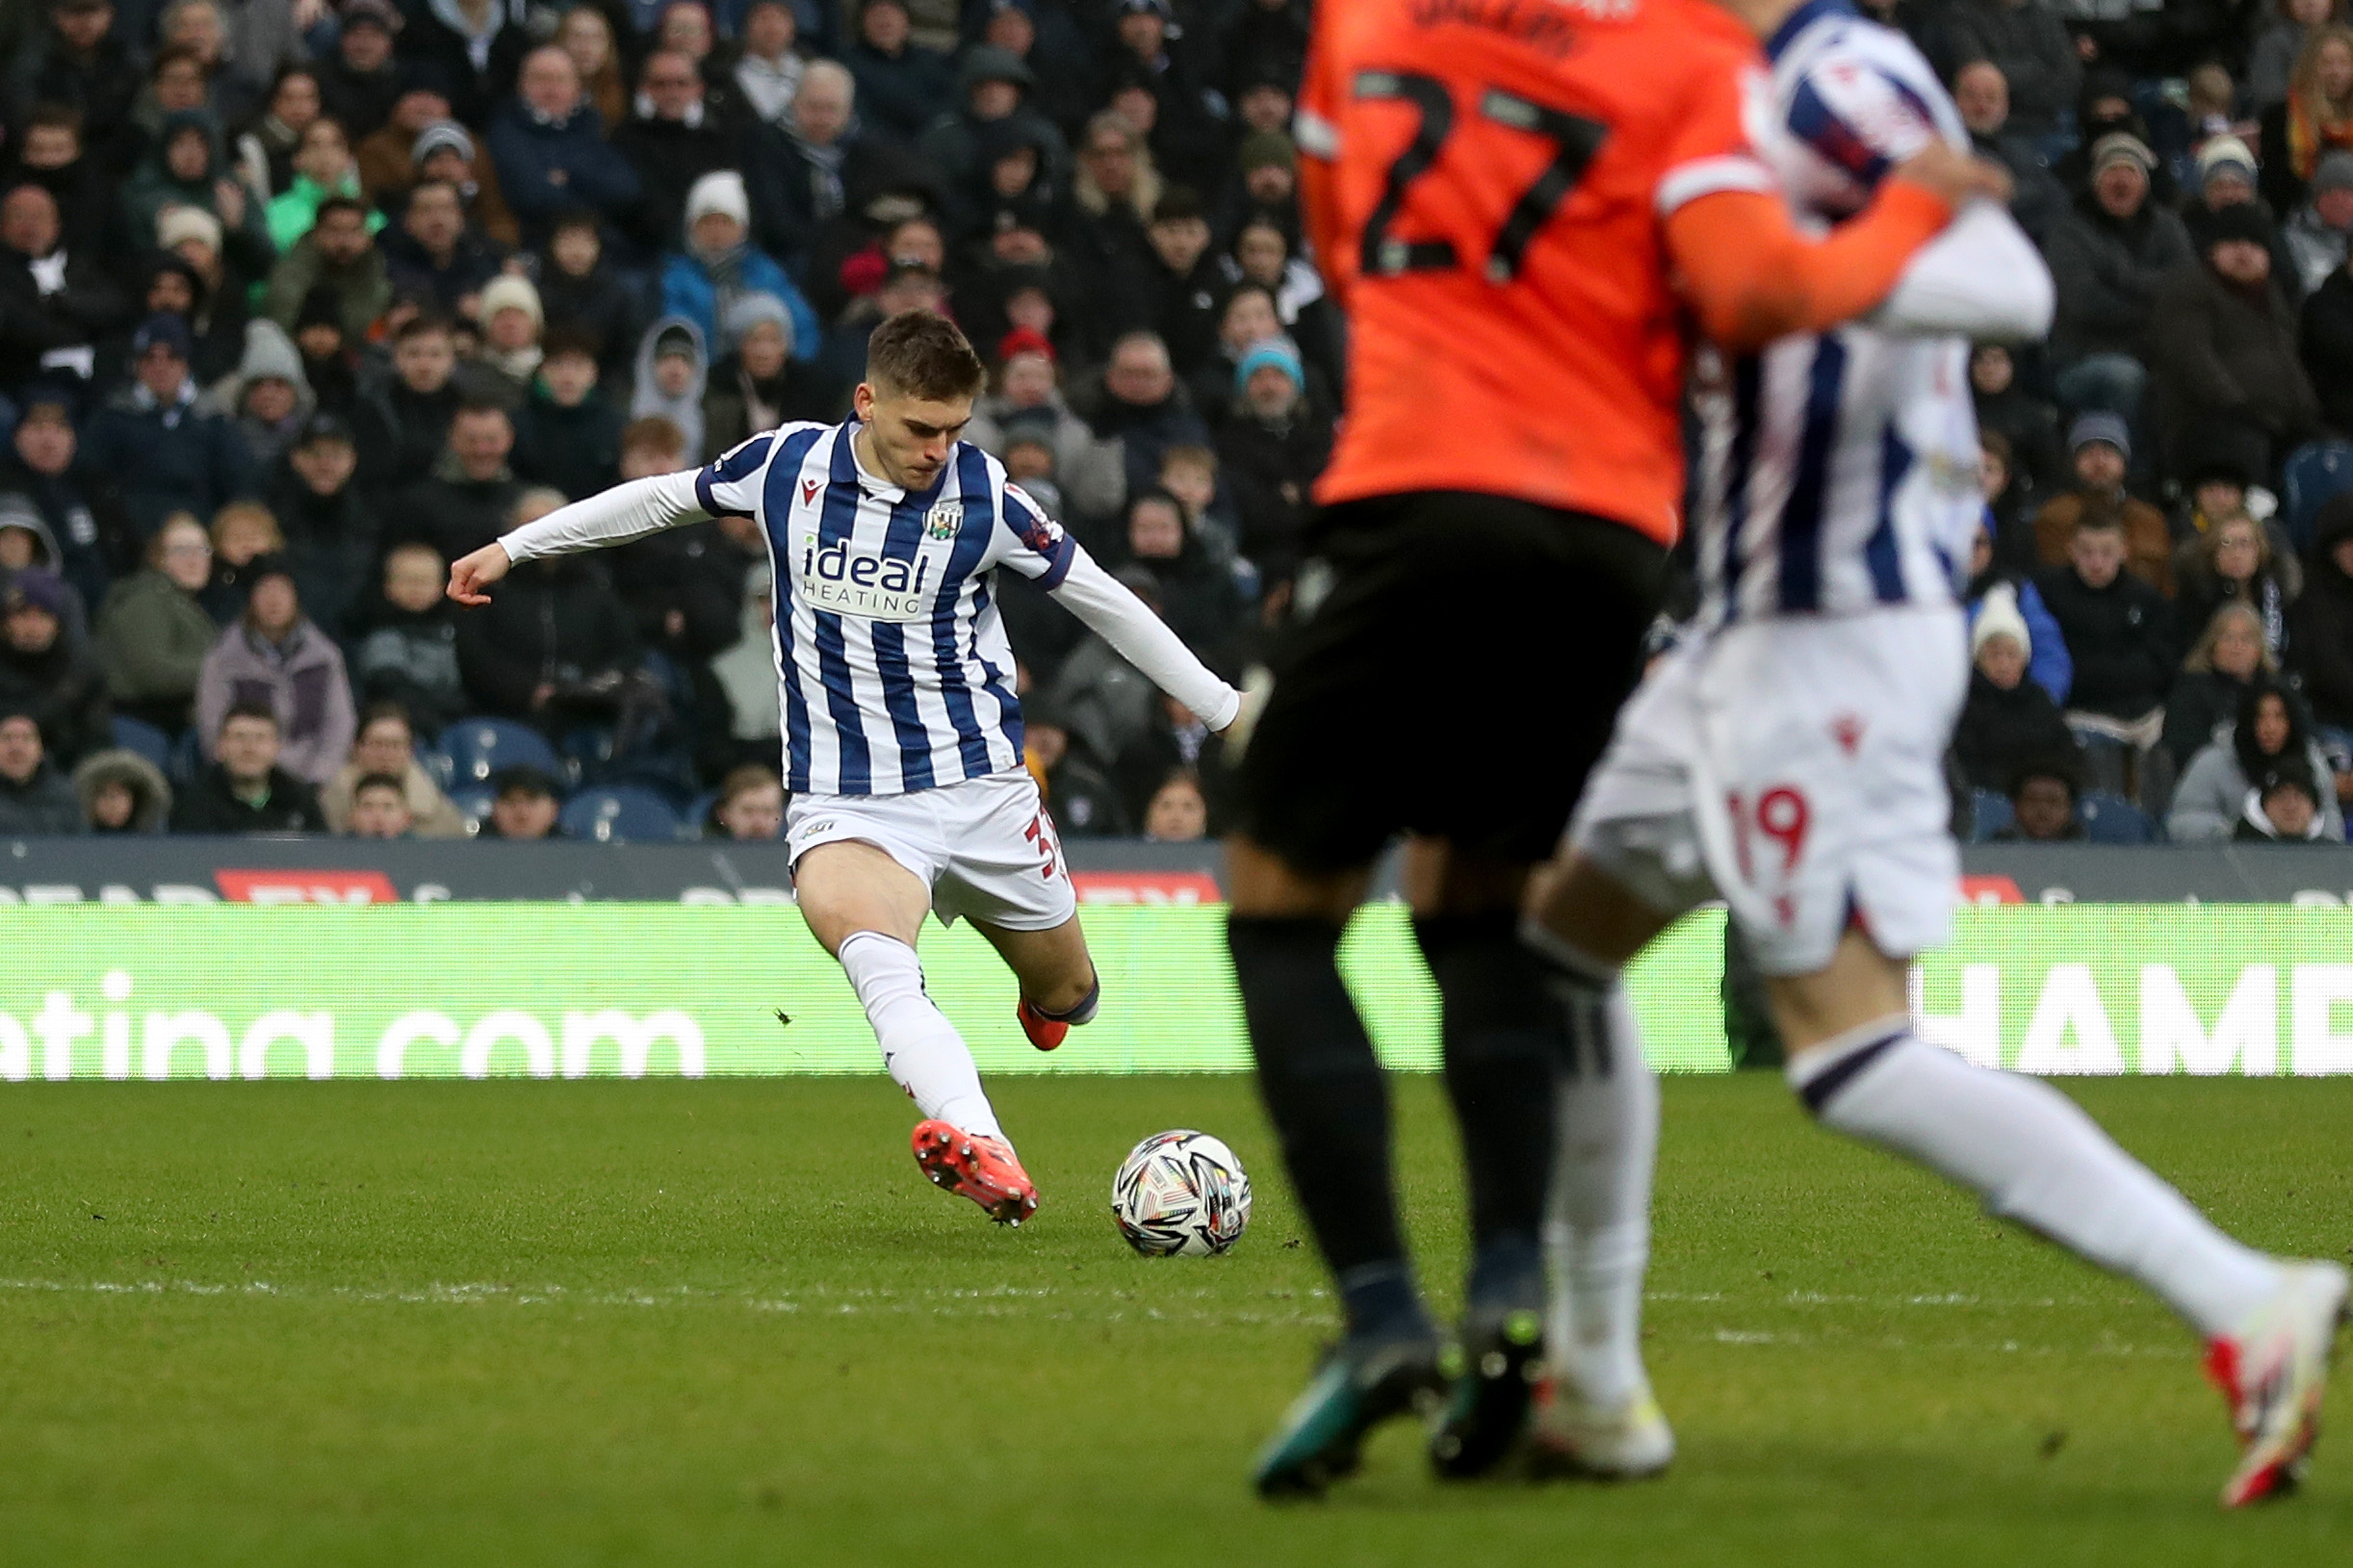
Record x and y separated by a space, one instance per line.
1180 1194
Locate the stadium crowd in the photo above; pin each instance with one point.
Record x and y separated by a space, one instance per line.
299 300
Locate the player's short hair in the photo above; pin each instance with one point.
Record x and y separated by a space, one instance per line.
924 356
252 707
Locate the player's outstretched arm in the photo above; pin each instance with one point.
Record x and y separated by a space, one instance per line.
1144 640
611 517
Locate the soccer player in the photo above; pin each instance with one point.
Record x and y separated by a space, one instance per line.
1516 205
1789 758
902 737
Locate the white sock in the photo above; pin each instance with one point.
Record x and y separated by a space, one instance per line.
2035 1157
925 1055
1597 1220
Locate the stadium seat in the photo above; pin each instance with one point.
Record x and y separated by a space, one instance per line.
1989 812
2111 819
472 803
479 747
187 759
697 816
145 738
2317 471
619 813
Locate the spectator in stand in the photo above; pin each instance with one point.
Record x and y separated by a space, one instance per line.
511 321
1084 802
1189 279
477 44
446 151
2010 536
674 142
91 537
467 500
567 434
436 253
1198 596
553 644
2224 343
78 63
1983 96
324 167
2103 450
50 153
55 302
672 377
186 169
2315 233
163 455
2048 662
2009 721
360 82
2284 808
1105 702
1187 135
756 386
1177 812
340 254
993 83
2321 637
2043 799
524 806
2231 562
120 791
331 533
1272 449
2229 658
801 173
2316 120
242 790
213 300
153 632
2279 41
379 810
35 798
386 748
1190 474
267 395
586 34
1262 254
2324 341
900 84
404 641
1089 470
2271 733
2117 631
720 266
1139 403
2037 59
266 146
2108 255
550 154
768 71
387 156
47 668
582 295
275 654
1105 243
403 425
750 805
244 537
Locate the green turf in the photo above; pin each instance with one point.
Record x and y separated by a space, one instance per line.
599 1323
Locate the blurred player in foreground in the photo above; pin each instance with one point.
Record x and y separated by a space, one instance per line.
1789 758
1516 204
902 737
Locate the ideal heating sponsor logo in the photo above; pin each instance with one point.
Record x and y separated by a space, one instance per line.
863 583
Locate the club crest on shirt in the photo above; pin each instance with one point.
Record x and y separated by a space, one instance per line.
944 520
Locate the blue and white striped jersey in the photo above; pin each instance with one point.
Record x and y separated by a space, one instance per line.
1839 470
891 653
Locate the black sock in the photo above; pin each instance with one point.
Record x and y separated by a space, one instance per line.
1502 1037
1330 1105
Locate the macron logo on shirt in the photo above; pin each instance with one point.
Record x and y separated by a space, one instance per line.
864 584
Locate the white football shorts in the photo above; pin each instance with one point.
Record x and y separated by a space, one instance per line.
1795 768
985 847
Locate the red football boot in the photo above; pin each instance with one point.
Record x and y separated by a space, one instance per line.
1043 1032
981 1169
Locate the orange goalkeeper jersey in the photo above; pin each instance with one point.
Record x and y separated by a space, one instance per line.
1488 182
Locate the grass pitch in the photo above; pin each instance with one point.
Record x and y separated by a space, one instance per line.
725 1322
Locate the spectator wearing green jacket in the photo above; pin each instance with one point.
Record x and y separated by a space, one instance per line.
324 167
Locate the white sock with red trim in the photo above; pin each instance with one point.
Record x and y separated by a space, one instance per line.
925 1055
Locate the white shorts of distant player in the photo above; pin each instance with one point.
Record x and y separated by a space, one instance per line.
985 847
1795 768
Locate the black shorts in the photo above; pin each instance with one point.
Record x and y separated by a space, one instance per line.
1452 668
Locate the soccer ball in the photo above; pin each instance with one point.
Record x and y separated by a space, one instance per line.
1180 1194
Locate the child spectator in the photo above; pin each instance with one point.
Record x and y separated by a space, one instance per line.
242 790
2283 809
274 655
524 804
121 792
2229 658
153 630
567 435
34 797
2043 805
1177 813
48 673
1190 474
386 748
379 810
404 641
751 805
2271 733
2008 720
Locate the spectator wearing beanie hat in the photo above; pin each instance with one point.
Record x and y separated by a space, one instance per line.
444 150
1026 386
2108 254
1270 450
2223 346
719 265
2101 448
2008 720
2315 233
2226 172
755 384
48 669
511 321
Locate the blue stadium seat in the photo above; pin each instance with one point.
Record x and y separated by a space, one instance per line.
698 813
619 812
2317 470
2111 819
472 803
1989 812
145 738
479 747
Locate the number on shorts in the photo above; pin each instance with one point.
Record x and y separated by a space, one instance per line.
1780 815
1041 832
